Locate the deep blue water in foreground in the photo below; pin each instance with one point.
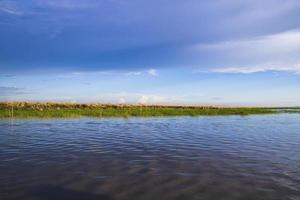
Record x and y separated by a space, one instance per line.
222 157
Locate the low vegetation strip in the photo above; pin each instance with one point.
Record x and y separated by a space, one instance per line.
72 110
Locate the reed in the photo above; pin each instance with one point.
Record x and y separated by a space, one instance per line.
72 110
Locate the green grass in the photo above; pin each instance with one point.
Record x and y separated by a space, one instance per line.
289 110
68 110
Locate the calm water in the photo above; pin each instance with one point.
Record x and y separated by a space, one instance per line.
230 157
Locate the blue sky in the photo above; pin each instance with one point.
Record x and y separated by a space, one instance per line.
223 52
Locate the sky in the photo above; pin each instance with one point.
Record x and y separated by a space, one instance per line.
218 52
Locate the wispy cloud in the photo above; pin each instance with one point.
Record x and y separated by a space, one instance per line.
292 68
7 75
134 73
275 52
11 91
284 42
152 72
69 4
149 72
10 7
15 7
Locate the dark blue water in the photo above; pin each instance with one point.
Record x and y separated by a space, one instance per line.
226 157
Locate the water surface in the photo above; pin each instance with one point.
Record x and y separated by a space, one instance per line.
206 158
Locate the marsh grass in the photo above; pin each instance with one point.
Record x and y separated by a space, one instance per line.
72 110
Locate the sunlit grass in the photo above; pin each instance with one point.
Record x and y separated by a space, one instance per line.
72 110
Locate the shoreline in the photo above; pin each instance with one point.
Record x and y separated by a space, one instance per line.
77 110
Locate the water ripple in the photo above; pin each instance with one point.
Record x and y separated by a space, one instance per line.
228 157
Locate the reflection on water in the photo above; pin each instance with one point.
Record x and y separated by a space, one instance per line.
228 157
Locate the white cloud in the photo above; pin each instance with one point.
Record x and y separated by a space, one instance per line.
122 101
284 42
152 72
146 99
134 73
140 98
68 4
293 68
10 7
275 52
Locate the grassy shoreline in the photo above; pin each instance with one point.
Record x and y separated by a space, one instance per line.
75 110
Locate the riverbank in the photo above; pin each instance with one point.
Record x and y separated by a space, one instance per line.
73 110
